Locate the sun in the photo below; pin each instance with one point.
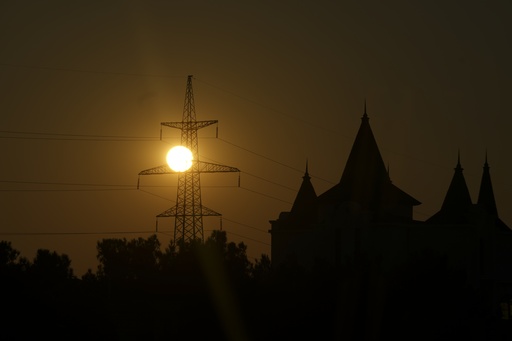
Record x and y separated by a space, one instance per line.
179 158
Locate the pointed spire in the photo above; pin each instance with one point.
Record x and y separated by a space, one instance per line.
306 174
365 179
457 201
365 162
302 208
365 116
458 161
486 193
458 196
365 172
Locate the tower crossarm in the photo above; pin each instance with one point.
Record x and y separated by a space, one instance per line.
202 167
208 167
173 212
163 169
192 125
198 167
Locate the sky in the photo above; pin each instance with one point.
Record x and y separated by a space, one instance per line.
84 86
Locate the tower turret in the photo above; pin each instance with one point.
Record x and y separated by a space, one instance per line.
457 201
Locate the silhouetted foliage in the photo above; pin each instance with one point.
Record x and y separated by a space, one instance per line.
51 265
122 260
234 256
261 269
211 290
11 263
8 255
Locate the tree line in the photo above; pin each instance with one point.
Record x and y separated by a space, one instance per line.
211 290
138 291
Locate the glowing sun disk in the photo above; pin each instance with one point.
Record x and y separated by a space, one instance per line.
179 158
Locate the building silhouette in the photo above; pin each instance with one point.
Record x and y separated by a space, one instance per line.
366 215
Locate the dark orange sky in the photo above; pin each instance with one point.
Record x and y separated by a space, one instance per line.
286 80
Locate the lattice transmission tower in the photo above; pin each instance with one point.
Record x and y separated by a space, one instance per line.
189 211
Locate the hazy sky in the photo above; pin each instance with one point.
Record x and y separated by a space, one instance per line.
286 80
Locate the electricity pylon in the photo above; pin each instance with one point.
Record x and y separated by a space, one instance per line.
189 211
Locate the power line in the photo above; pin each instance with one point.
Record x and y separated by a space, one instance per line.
260 155
223 217
200 80
75 135
103 185
275 161
90 137
116 187
158 196
90 71
265 195
72 139
110 233
254 240
256 176
71 233
239 223
244 188
126 187
69 190
96 137
119 232
123 187
65 183
272 182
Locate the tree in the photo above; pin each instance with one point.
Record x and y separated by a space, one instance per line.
133 260
233 255
13 268
261 269
51 265
8 255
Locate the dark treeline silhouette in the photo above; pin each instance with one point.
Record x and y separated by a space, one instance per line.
211 290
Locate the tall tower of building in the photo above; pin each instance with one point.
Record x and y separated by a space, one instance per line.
189 211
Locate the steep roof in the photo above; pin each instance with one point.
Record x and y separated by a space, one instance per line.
306 195
365 160
486 194
458 196
365 179
486 198
303 212
457 200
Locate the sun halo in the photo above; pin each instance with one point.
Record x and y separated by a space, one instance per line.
179 158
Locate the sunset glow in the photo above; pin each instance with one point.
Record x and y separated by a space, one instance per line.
179 158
